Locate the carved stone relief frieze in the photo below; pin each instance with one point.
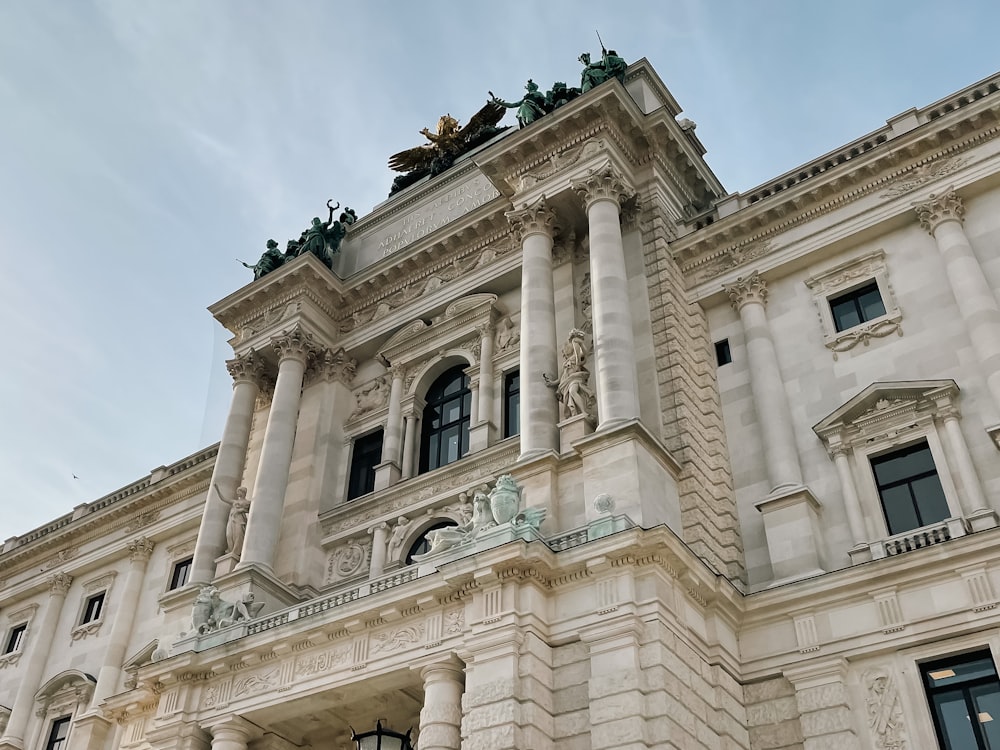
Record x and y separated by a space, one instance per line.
306 666
729 259
266 320
348 560
256 682
142 520
885 715
922 174
62 556
562 160
508 335
396 639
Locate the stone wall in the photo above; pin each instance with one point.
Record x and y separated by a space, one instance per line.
773 715
692 411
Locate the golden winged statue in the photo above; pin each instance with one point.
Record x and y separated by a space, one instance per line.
447 144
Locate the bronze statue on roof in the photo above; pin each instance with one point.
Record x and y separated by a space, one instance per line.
447 144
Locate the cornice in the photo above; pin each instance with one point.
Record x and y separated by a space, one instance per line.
930 150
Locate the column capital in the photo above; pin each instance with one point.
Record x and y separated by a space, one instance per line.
246 367
745 290
140 549
334 365
537 218
294 344
485 330
605 183
59 583
234 729
939 208
383 526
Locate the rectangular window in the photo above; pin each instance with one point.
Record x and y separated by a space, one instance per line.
909 488
964 694
366 455
723 354
512 403
58 735
93 608
15 638
180 574
857 306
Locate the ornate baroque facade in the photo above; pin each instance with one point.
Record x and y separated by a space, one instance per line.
571 450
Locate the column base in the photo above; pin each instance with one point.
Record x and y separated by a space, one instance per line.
480 436
628 463
226 564
387 474
791 527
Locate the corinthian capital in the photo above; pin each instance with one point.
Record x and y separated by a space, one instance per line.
249 367
744 290
59 583
939 208
604 184
336 365
537 218
294 344
140 549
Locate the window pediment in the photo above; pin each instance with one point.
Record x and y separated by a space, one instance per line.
886 406
421 338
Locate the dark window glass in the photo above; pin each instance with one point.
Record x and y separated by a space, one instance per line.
964 694
423 545
857 306
512 403
367 454
92 609
723 354
15 638
444 434
909 488
180 574
58 735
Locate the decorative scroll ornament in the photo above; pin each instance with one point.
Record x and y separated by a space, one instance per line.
885 715
537 218
745 290
939 208
606 183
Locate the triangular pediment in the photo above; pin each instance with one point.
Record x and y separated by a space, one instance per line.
882 400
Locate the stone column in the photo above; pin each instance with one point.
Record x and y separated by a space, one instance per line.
233 733
972 498
31 674
409 442
441 716
539 414
379 534
228 473
121 626
473 396
748 297
941 216
486 385
388 472
263 525
852 505
614 349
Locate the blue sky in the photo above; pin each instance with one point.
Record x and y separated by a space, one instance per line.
145 146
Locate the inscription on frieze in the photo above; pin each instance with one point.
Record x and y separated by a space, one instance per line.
437 210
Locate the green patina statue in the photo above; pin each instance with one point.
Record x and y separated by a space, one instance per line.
595 73
321 239
530 108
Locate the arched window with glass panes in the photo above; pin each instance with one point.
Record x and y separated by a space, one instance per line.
444 434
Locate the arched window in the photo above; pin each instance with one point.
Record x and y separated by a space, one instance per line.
444 436
422 546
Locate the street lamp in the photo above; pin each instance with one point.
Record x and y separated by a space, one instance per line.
382 739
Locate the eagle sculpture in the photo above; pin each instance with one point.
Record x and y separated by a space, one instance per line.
447 144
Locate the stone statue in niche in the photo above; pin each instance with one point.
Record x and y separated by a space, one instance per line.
211 612
575 396
236 526
502 502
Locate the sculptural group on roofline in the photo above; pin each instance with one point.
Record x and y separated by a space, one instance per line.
320 238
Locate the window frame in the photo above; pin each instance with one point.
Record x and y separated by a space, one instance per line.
99 586
842 279
63 742
185 564
898 452
964 687
353 464
508 395
18 632
99 599
854 296
427 432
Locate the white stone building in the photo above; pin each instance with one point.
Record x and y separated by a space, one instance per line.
755 437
